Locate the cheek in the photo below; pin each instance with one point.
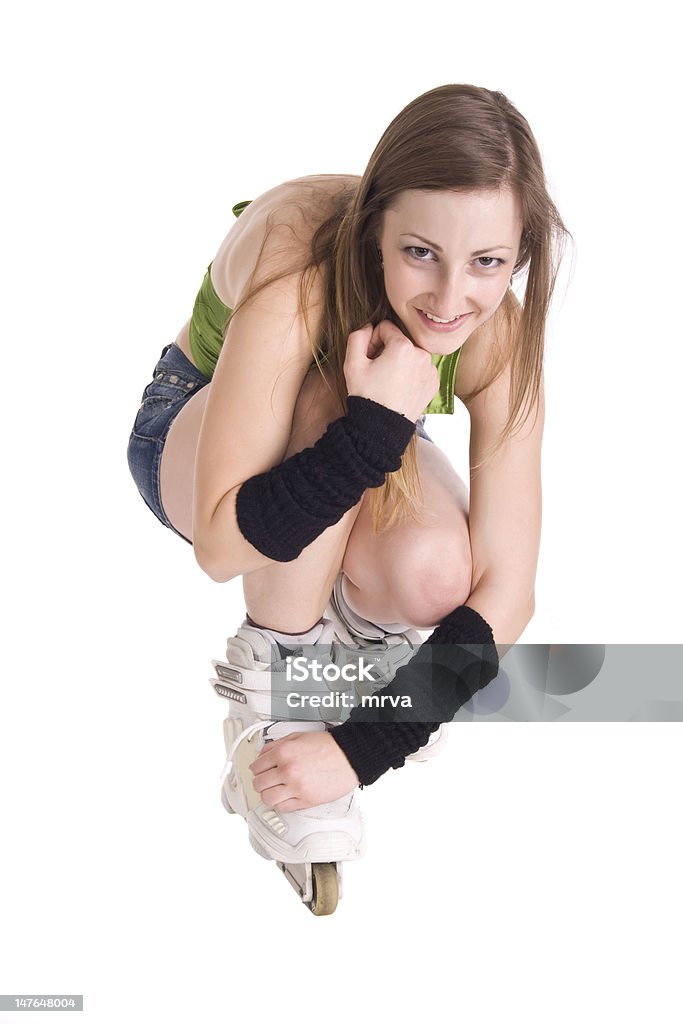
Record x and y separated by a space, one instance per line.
398 289
493 294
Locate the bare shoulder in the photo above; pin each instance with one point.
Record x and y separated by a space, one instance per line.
485 351
275 230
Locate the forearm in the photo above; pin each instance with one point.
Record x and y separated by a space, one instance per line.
220 548
282 511
458 659
273 516
508 613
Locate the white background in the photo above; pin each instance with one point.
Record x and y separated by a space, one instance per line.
529 872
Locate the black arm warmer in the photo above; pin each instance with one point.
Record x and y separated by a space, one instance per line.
285 509
457 660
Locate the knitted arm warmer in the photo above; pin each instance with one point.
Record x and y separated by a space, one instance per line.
457 660
282 511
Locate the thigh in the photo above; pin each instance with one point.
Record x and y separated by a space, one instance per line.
176 471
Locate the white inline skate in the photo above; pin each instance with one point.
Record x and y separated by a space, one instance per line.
388 648
309 846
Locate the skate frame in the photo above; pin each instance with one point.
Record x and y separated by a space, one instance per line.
300 877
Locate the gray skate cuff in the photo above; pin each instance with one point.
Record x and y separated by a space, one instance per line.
282 511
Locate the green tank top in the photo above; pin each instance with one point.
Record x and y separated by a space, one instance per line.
210 318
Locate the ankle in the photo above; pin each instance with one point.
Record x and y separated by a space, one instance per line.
298 632
289 640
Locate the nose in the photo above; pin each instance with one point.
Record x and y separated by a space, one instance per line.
449 300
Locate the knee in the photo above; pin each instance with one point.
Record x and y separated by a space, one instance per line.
435 577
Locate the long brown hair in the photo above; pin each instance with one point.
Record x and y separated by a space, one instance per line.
454 137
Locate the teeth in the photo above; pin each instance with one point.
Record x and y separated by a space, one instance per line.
437 320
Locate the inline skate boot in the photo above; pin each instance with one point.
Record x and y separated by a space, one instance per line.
309 846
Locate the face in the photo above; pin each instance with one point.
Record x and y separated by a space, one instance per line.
449 254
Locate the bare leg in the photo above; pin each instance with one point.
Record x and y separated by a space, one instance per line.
414 573
292 596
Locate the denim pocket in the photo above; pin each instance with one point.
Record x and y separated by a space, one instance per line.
167 390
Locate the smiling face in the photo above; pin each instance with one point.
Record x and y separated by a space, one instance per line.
458 265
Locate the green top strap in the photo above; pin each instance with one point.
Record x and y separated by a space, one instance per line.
238 208
444 400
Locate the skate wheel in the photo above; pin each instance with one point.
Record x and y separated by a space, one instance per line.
325 889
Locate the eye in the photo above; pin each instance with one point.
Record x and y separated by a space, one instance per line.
493 259
414 250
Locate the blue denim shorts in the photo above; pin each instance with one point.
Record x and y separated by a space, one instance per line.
174 381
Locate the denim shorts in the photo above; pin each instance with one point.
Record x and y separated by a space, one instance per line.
174 381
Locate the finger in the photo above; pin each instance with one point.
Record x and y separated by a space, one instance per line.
387 332
268 758
357 343
276 795
271 754
375 346
266 780
292 804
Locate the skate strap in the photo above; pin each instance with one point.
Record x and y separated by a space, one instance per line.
260 702
267 703
251 687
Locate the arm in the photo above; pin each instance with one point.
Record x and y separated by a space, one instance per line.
277 508
505 514
248 420
461 656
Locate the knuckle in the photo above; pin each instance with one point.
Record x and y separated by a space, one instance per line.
388 328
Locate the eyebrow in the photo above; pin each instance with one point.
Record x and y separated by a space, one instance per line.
437 248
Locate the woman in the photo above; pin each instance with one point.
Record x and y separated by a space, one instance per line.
288 453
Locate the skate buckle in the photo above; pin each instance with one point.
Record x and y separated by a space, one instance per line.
227 674
227 692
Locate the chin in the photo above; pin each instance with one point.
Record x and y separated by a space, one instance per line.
445 345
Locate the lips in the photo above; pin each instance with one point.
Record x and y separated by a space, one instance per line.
441 328
444 319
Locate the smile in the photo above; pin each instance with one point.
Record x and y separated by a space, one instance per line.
435 324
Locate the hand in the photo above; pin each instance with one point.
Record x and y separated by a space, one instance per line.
385 366
302 770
